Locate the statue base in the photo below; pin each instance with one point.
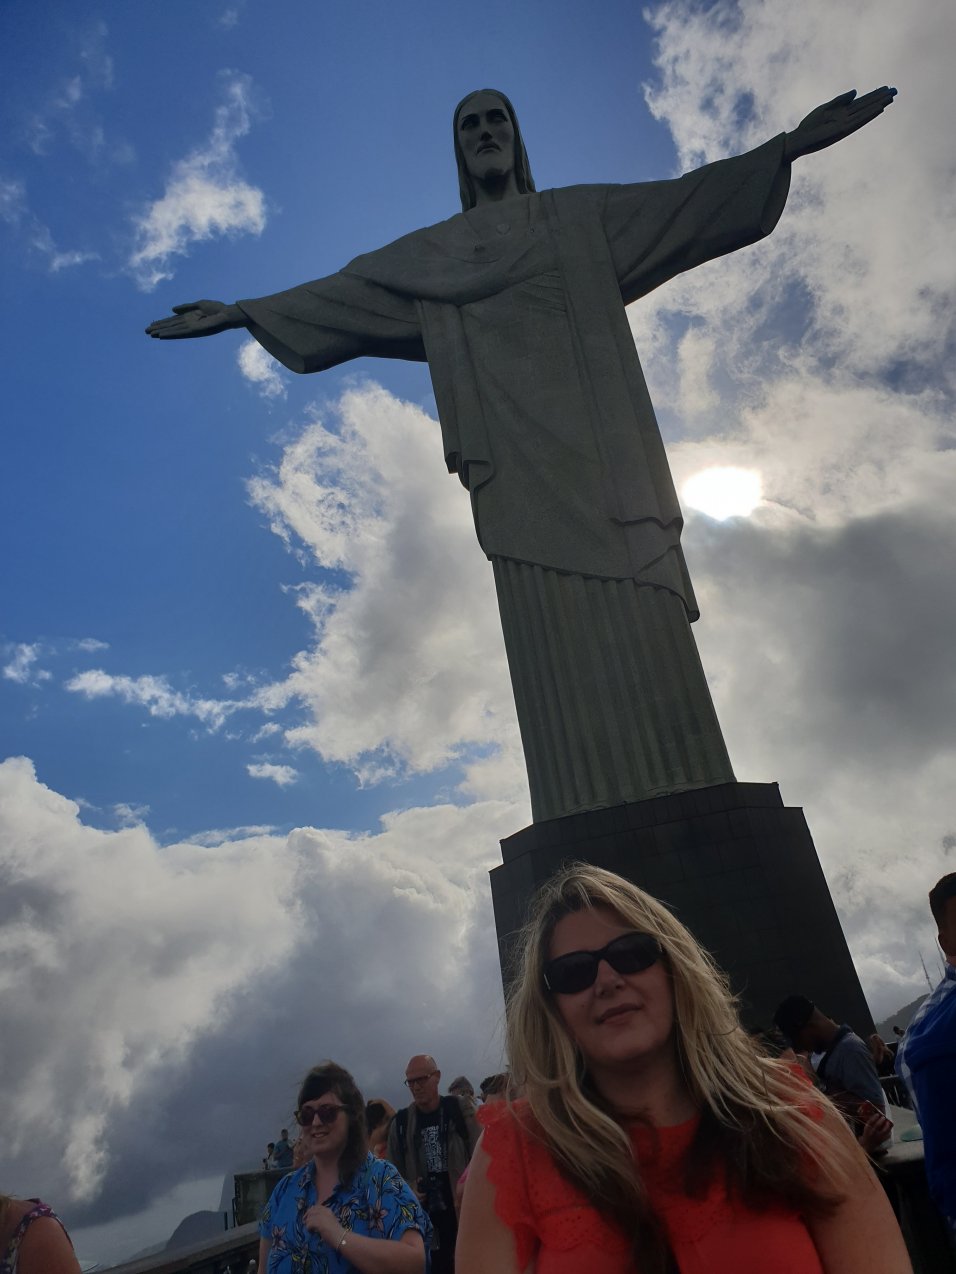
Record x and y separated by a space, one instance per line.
733 864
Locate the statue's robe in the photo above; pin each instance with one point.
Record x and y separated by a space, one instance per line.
518 308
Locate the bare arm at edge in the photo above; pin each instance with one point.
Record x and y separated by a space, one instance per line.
862 1236
484 1241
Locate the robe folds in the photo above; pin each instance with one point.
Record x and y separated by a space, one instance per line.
518 308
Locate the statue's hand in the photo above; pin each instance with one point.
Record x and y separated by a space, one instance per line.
197 318
835 120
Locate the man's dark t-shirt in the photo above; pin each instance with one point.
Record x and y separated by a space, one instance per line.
439 1203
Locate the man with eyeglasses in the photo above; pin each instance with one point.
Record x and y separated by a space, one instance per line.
430 1143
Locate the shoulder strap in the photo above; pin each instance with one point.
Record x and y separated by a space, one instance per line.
453 1107
38 1210
401 1123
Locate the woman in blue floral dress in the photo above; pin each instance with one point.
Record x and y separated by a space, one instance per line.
344 1210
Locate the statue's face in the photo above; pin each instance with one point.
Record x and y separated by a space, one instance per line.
487 137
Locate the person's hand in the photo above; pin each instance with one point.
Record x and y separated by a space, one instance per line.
197 318
835 120
323 1222
876 1129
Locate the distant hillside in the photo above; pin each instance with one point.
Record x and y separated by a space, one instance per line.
196 1227
902 1018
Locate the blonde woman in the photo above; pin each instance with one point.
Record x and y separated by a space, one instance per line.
653 1136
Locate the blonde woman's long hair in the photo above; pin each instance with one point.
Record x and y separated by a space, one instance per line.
758 1125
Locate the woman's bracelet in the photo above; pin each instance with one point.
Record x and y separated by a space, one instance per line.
341 1242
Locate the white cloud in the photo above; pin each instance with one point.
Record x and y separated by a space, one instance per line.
90 645
260 369
41 239
866 236
408 670
205 195
217 835
161 965
22 667
155 694
282 775
129 815
13 200
823 359
97 61
130 947
68 111
15 211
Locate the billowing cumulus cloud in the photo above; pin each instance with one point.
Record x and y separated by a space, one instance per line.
163 965
205 194
822 360
408 669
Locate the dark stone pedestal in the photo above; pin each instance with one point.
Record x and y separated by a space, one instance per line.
733 863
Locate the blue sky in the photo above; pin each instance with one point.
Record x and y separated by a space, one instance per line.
256 733
174 572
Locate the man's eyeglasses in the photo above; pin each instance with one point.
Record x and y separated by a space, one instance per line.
576 971
326 1114
416 1081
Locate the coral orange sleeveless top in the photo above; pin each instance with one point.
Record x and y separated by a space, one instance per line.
556 1227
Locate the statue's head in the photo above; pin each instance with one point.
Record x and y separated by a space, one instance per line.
488 144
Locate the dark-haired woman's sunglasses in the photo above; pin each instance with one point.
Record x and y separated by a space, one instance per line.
326 1115
576 971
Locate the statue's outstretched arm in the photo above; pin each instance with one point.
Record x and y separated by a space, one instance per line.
197 318
835 120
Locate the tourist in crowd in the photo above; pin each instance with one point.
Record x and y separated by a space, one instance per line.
495 1087
33 1239
883 1055
430 1142
344 1209
653 1134
269 1162
845 1068
926 1060
282 1151
462 1087
378 1119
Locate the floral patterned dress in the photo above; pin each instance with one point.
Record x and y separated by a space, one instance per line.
8 1258
376 1203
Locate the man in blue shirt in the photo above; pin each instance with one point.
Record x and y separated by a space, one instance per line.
926 1060
282 1154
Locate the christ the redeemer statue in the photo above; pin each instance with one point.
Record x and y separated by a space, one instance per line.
517 304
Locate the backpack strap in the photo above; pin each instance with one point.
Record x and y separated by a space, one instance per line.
453 1107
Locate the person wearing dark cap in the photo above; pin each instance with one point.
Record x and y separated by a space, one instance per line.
846 1068
926 1060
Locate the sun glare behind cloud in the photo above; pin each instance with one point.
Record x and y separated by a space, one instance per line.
723 491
